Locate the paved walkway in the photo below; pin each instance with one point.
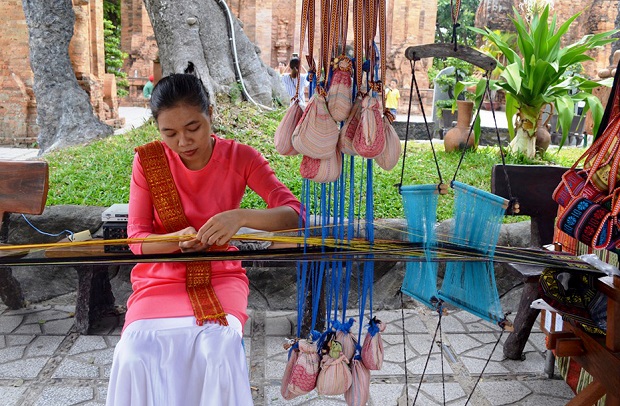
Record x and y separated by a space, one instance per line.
44 362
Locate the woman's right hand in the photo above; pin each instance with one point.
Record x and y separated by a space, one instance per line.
190 244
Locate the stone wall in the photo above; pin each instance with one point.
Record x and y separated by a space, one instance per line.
17 100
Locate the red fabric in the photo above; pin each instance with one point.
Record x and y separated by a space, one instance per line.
159 289
572 377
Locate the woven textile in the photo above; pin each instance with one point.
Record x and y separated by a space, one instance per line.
588 222
575 296
391 153
347 132
369 138
322 170
372 349
346 338
335 376
316 135
359 392
471 285
420 204
286 379
339 94
283 138
304 372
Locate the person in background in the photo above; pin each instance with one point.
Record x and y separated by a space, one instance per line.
289 80
392 97
148 88
182 339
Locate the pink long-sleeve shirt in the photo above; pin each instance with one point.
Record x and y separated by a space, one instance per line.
159 288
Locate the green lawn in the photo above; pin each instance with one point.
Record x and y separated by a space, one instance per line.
98 174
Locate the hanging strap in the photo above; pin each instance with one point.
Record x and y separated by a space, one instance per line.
304 25
205 304
455 9
358 31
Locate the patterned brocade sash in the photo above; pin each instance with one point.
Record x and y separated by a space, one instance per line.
167 202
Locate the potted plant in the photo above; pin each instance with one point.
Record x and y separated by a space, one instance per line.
534 75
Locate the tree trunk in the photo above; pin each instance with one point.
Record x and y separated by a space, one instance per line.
495 14
198 32
64 113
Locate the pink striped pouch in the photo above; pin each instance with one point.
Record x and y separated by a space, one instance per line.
347 132
283 138
322 170
305 371
316 135
391 153
348 341
372 349
369 138
359 392
335 376
286 379
339 94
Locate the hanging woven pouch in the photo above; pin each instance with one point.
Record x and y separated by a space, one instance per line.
335 376
359 392
347 132
322 170
283 138
286 379
589 196
372 349
369 138
339 94
391 153
316 135
305 371
346 338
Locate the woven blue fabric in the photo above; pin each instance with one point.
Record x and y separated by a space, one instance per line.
471 285
420 204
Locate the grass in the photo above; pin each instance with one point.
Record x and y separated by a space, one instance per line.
98 174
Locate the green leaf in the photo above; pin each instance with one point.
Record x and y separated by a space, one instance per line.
565 108
512 74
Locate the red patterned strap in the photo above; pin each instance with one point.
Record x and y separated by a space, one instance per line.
167 202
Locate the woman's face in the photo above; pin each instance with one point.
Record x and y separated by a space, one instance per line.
187 131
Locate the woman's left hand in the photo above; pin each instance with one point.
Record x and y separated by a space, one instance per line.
219 229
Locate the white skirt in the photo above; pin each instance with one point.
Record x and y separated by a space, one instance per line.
172 361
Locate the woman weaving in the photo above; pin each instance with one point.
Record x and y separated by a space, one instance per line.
182 339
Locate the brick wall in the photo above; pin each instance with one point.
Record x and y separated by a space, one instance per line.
17 103
138 41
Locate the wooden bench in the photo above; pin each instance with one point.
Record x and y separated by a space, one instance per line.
532 186
23 190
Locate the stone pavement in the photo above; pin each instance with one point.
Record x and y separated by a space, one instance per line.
44 362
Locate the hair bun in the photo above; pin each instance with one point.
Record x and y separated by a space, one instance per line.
190 70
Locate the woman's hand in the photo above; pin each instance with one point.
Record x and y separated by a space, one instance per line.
219 229
191 244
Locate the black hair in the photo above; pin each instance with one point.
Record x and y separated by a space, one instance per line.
176 89
294 63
